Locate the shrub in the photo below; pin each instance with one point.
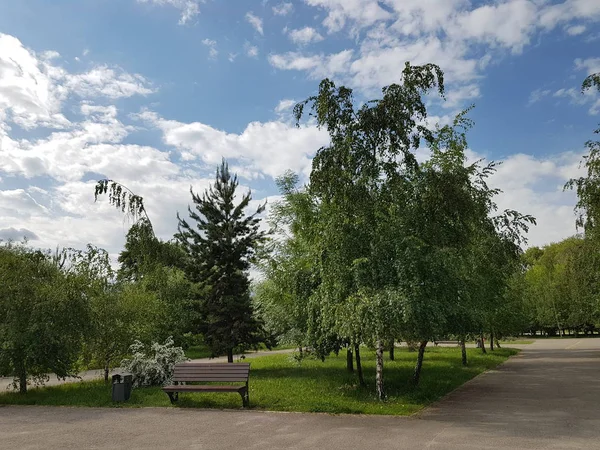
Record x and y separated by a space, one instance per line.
156 367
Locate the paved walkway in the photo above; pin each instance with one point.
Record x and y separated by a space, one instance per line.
548 397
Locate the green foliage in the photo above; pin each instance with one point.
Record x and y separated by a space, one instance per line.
588 187
120 313
44 316
561 286
289 265
391 248
219 250
122 198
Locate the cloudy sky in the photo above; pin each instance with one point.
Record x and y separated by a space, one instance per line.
153 93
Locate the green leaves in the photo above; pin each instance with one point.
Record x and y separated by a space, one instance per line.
43 316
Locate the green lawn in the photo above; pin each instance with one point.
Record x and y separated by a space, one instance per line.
278 384
202 351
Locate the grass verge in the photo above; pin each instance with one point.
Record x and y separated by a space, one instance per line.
279 384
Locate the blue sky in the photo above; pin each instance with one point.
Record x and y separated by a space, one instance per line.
154 92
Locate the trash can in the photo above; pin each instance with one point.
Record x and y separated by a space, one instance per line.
121 387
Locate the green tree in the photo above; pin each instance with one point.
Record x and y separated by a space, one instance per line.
44 316
588 187
355 179
219 251
289 265
120 312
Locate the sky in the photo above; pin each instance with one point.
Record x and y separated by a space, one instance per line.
154 93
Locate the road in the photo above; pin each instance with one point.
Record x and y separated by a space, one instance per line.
547 397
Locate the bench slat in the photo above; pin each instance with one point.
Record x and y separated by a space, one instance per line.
205 388
230 365
195 378
211 372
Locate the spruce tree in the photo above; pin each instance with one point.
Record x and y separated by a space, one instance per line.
220 248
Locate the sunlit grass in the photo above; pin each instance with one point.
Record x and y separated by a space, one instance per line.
277 383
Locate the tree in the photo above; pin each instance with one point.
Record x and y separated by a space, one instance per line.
122 198
120 313
44 316
588 187
354 180
219 254
290 265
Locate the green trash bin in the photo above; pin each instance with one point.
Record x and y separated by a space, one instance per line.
121 387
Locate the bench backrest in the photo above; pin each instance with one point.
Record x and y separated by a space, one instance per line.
211 372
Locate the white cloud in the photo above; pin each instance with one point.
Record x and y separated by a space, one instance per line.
50 55
507 24
461 36
340 12
263 148
92 145
255 21
285 105
14 234
33 90
251 50
29 93
306 35
108 82
283 9
231 57
576 30
189 8
319 66
535 186
212 47
590 65
538 95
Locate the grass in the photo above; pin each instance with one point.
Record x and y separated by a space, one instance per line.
279 384
202 351
516 341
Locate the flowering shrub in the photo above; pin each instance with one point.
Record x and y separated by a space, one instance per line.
155 367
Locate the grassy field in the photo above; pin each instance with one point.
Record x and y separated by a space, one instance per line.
279 384
202 351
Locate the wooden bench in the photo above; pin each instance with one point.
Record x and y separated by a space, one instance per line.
457 343
199 372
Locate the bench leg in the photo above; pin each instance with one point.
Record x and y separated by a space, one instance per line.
173 396
245 398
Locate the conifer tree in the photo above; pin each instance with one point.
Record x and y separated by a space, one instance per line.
220 247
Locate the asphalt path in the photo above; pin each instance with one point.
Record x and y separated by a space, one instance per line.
547 397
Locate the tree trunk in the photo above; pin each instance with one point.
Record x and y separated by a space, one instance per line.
379 371
23 381
491 341
392 351
300 350
498 343
463 350
417 373
359 370
229 355
349 361
482 344
106 370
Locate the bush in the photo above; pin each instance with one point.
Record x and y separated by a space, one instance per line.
156 367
